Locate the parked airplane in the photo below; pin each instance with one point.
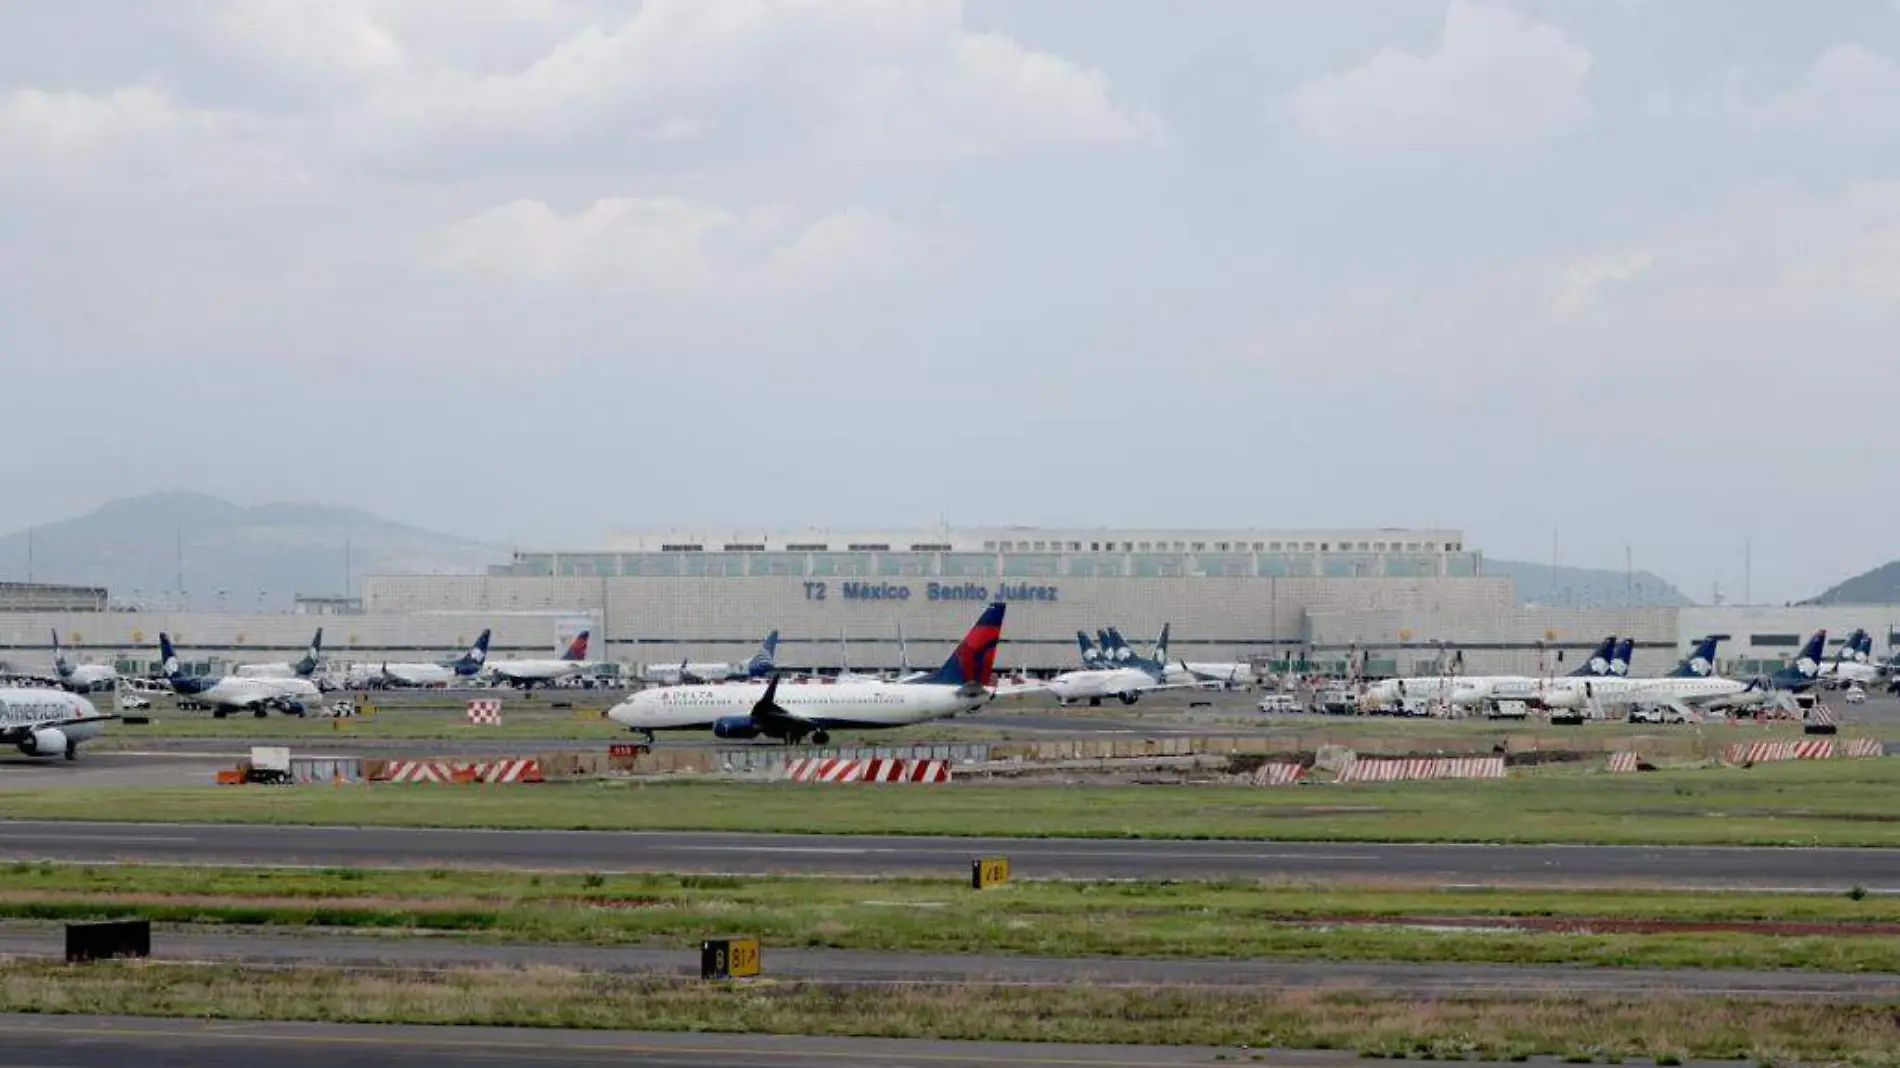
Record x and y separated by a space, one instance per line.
524 674
1466 691
1692 686
689 673
80 678
792 711
1123 674
42 722
1853 662
301 669
230 693
466 666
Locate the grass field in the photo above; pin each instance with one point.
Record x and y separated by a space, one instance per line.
1839 802
1051 919
1610 1029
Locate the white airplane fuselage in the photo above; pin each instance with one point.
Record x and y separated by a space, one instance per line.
232 691
531 671
417 674
1094 684
87 676
1577 693
834 704
47 718
1461 690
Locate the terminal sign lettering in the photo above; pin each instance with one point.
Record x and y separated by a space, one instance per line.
932 591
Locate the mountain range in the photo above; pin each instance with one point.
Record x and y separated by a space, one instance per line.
1879 586
145 549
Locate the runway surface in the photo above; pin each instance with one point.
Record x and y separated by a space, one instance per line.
1718 867
316 949
115 1041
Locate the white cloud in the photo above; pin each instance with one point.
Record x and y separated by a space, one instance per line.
1848 91
673 248
1496 78
864 77
1582 283
64 124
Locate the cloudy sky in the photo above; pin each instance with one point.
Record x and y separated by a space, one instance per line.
528 270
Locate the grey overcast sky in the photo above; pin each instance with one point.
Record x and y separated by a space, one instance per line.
530 270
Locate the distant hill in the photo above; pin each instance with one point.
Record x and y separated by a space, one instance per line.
1879 586
1580 586
130 546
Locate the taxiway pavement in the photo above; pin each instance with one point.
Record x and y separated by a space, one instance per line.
1877 870
276 946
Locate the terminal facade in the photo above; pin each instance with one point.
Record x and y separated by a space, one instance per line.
1399 598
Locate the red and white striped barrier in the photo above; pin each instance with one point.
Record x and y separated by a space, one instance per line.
1278 774
1823 715
1415 769
485 710
838 769
1622 761
1863 747
512 770
1770 752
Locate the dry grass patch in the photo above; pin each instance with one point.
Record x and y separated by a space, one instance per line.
1309 1019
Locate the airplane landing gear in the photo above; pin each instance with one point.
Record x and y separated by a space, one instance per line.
72 749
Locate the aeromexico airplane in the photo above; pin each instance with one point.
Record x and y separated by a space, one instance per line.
230 693
793 711
1854 662
302 668
1693 684
468 665
759 666
1467 690
79 678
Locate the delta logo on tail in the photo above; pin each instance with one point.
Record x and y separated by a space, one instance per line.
577 649
973 663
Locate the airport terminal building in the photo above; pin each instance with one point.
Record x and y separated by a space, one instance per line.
712 595
1400 598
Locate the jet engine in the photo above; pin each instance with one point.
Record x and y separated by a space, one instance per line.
735 727
47 741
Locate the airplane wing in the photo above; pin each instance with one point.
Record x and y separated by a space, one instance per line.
14 733
1018 689
773 718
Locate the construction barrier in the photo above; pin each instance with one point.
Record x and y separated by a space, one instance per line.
1863 747
307 770
485 711
1491 767
827 769
1824 716
510 770
1770 752
1624 761
1277 774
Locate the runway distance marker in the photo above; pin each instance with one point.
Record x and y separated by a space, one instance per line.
986 872
734 957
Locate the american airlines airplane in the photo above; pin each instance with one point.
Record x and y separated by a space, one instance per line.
80 678
689 673
48 722
230 693
468 665
301 669
524 674
793 711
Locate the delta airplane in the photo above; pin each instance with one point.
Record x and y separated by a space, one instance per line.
524 674
688 673
79 678
302 669
48 722
1468 690
465 666
230 693
792 711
